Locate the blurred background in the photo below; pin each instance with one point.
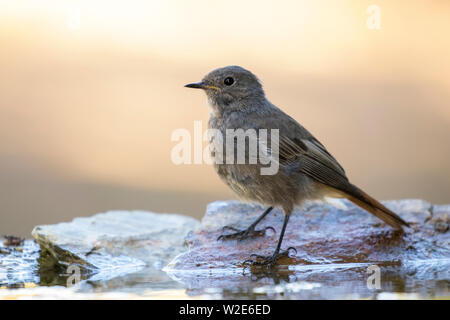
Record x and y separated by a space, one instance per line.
91 91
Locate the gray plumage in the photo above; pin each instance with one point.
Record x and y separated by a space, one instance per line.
307 171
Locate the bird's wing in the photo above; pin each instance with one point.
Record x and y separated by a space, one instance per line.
294 149
313 161
298 146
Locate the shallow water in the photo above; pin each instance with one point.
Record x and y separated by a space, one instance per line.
22 267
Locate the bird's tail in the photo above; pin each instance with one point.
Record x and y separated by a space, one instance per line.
362 199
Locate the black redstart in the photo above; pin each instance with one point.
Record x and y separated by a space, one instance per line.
307 171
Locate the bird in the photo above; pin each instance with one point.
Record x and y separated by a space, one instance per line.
306 170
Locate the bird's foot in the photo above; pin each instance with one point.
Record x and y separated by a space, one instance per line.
243 234
270 261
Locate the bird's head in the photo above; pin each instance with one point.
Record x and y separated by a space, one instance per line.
230 87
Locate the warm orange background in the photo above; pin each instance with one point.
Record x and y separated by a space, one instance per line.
87 111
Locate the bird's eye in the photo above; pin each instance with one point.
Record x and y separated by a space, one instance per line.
228 81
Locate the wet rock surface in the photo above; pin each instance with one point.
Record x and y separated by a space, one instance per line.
142 255
113 244
335 247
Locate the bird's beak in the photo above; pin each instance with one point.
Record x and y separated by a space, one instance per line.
201 85
196 85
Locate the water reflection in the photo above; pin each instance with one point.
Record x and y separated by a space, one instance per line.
407 279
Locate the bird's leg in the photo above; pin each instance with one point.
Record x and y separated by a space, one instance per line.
249 232
270 261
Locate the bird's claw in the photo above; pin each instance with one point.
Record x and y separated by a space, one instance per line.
243 234
269 261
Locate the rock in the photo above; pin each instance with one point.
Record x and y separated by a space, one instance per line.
338 247
334 245
112 244
440 218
